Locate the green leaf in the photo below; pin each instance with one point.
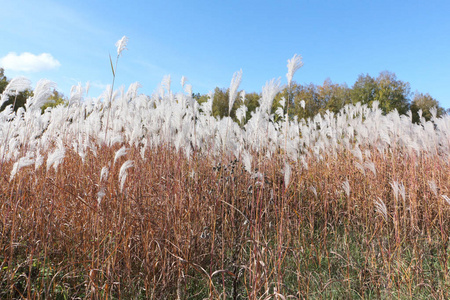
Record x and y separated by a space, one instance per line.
112 68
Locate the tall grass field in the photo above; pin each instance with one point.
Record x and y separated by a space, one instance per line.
128 196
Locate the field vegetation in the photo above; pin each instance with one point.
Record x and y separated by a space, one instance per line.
134 196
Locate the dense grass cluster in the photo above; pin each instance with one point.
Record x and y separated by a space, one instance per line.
131 196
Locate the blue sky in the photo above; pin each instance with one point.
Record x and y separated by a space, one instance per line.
207 41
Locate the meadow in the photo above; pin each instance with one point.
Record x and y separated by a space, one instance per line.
135 196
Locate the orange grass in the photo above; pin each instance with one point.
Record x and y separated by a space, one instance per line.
193 228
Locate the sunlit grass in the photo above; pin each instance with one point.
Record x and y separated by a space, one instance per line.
152 197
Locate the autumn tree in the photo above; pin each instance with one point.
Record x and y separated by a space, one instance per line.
425 103
334 96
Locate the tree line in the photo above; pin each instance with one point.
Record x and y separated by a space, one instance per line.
303 100
307 100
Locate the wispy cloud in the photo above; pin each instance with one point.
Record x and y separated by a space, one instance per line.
29 62
99 85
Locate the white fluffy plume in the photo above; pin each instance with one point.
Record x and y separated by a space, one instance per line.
44 89
55 158
346 188
241 113
166 82
234 86
381 208
293 65
269 91
119 153
123 172
104 173
247 160
14 87
287 174
21 163
121 45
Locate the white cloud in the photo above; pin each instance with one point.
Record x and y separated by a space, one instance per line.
29 62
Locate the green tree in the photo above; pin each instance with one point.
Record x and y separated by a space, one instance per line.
295 96
200 98
3 80
315 98
334 96
425 103
221 99
220 102
252 102
283 94
196 96
364 90
392 93
307 95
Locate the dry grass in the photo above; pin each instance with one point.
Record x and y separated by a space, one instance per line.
193 229
345 206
